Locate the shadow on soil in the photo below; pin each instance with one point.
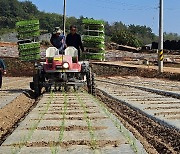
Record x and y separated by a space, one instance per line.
28 93
15 90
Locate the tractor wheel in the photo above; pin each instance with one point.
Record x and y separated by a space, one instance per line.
37 87
93 89
88 78
48 89
76 88
67 88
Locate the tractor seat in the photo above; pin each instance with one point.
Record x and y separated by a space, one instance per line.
73 52
51 52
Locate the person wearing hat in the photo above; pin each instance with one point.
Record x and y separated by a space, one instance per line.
58 39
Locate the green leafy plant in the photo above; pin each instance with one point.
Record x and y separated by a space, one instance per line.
27 46
95 56
93 39
93 22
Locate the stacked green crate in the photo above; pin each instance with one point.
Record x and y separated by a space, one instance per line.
28 30
93 39
29 51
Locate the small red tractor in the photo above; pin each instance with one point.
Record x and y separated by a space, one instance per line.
62 71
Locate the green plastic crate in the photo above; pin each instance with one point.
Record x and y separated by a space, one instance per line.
95 39
93 56
93 22
94 27
28 35
27 46
94 45
28 29
98 51
27 23
30 58
94 33
29 52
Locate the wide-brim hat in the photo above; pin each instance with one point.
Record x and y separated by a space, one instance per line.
57 30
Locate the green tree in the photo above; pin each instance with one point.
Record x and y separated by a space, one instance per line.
171 36
49 20
143 33
124 37
12 11
110 30
29 9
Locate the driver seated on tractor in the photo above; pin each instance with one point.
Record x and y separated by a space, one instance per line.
74 39
58 40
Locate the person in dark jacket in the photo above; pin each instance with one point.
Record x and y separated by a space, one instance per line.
74 39
58 40
2 71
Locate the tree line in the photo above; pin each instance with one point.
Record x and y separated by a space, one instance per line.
12 11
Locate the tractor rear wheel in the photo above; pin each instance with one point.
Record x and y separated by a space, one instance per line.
90 82
67 88
93 88
88 79
37 87
48 88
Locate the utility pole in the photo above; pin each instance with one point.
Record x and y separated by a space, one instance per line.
64 18
161 40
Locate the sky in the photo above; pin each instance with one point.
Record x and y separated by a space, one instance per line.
138 12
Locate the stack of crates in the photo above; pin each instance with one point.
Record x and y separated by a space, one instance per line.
93 39
28 30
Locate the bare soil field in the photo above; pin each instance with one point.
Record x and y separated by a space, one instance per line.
155 137
15 101
13 112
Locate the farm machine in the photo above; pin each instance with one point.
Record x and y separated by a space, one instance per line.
61 72
57 71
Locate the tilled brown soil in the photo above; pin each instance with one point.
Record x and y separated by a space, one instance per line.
69 128
115 70
74 118
12 114
99 144
154 137
70 113
17 68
